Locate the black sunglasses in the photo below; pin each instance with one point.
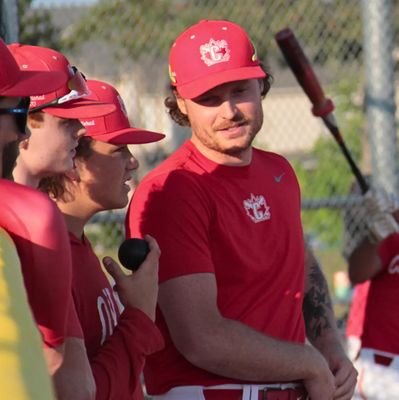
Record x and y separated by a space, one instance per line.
20 113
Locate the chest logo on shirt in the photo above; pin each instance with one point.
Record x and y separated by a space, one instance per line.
393 267
257 208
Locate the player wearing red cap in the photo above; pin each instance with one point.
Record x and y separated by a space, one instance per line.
47 151
238 289
116 341
23 374
53 117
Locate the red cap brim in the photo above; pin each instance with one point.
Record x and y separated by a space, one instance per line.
194 89
32 83
129 136
80 109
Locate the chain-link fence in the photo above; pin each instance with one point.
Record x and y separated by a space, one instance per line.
349 42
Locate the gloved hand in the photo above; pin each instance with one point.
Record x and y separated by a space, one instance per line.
378 200
381 225
380 205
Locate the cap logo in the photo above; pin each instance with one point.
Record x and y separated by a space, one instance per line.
38 98
215 52
90 122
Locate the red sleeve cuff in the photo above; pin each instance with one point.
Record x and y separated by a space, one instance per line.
147 337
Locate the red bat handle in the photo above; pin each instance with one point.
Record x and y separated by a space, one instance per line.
303 72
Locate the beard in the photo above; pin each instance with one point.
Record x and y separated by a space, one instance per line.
10 154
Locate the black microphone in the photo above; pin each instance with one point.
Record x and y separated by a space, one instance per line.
132 252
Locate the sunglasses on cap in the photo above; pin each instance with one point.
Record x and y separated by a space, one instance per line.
20 113
78 89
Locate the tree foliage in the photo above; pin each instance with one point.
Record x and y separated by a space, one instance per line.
137 28
36 27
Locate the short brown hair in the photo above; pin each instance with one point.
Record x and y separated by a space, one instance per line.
182 119
56 186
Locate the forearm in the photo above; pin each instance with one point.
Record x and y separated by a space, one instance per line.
74 379
319 317
364 262
118 365
232 349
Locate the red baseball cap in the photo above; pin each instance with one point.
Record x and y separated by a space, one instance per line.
15 82
115 127
68 101
210 53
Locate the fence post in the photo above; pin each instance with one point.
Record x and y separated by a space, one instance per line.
380 91
9 20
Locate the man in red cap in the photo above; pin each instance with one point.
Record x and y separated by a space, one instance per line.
23 374
116 341
239 291
49 149
53 117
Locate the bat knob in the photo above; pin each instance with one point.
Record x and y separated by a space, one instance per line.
132 252
323 109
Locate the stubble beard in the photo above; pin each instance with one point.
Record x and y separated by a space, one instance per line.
237 150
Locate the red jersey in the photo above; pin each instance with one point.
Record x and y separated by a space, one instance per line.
117 343
381 325
354 325
241 224
40 236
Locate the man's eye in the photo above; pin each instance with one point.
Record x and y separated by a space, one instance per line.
208 100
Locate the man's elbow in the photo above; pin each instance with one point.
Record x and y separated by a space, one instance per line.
196 350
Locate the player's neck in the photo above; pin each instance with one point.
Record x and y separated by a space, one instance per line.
23 176
77 214
74 224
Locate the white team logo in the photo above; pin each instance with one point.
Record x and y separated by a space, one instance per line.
257 208
90 122
393 267
214 52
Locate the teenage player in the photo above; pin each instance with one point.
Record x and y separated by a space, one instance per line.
38 228
238 290
53 117
23 373
116 342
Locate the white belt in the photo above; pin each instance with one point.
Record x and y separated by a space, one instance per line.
249 392
369 354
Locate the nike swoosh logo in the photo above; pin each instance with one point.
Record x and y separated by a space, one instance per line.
279 178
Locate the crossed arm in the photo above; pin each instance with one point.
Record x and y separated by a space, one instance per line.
321 328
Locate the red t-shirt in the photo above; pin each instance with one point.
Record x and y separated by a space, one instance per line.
40 236
240 223
381 324
354 325
117 343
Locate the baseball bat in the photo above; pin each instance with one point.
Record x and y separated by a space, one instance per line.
323 107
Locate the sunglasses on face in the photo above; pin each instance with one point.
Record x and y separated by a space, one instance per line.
20 113
78 89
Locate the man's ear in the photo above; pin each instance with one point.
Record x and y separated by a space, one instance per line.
181 104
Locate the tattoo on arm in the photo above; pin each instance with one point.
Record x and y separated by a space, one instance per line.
316 303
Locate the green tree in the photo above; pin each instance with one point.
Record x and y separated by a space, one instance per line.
36 27
139 28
